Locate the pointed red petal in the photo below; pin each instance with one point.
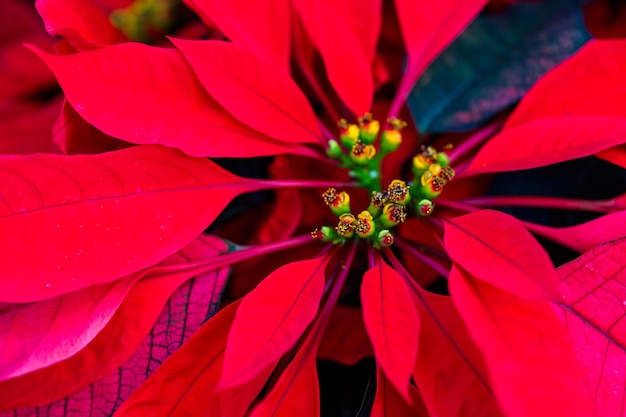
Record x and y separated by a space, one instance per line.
496 248
263 26
345 339
427 28
84 24
590 83
594 288
128 328
272 318
134 94
585 236
388 402
76 221
392 323
547 141
340 49
615 155
251 89
527 351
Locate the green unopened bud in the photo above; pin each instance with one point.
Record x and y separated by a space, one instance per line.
424 208
325 234
443 159
334 151
384 239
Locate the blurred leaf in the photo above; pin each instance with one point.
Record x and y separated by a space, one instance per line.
494 62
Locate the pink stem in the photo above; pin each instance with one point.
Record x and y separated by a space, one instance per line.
433 264
475 140
243 254
265 184
457 205
604 206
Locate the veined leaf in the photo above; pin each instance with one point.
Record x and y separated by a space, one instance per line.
496 248
77 221
134 94
527 351
272 318
392 323
592 308
97 364
251 90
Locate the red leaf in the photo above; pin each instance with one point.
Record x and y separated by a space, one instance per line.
427 28
85 24
590 83
272 318
263 27
388 402
546 141
345 339
252 90
25 128
496 248
130 325
296 392
347 66
450 371
592 308
615 155
146 82
585 236
392 323
527 351
83 220
185 382
75 136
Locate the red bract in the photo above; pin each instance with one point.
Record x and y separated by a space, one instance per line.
89 261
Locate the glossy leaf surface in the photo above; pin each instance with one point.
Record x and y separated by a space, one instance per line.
135 95
527 351
594 288
251 89
271 318
392 323
491 65
120 211
498 249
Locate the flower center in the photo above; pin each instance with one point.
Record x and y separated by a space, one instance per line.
357 152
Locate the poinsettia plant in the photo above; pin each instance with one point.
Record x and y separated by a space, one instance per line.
269 145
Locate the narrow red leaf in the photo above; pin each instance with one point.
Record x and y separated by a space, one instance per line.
83 220
546 141
263 27
345 339
84 24
392 323
450 371
527 350
592 308
388 402
340 49
427 28
272 318
296 392
496 248
590 83
251 89
134 94
587 235
128 328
